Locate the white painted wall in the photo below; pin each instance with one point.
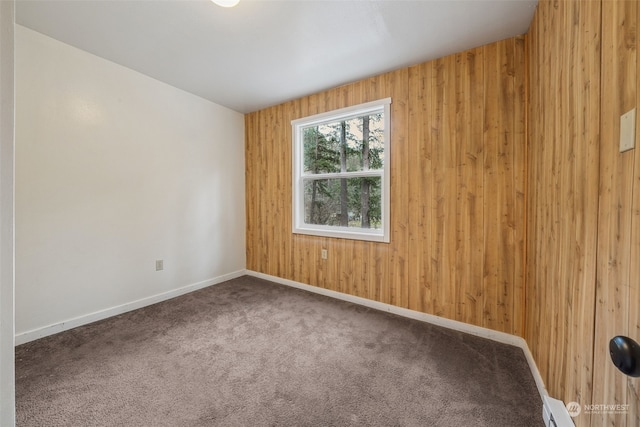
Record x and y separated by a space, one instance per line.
115 170
7 388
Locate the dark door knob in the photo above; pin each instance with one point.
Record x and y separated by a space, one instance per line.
625 354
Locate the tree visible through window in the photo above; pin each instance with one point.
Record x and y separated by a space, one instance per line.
340 184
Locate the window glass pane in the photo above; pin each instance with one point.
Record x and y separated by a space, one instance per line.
350 145
344 202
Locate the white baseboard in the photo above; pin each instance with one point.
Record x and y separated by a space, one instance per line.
34 334
479 331
555 413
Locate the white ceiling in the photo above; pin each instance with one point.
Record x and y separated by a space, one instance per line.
264 52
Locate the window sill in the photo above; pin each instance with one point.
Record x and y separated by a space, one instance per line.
343 233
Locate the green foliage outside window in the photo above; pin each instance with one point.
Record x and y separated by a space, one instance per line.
354 145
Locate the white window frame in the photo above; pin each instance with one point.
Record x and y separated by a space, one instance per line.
298 125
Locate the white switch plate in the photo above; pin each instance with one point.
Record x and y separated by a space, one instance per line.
323 253
159 265
628 131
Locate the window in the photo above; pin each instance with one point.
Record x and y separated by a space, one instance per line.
341 173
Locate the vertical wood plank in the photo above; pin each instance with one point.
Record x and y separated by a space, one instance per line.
475 162
491 286
506 166
464 171
398 84
415 253
519 179
438 202
421 188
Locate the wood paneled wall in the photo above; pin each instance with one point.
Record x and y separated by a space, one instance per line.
564 131
460 160
458 156
583 251
618 267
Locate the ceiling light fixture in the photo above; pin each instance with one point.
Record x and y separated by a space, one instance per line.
226 3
